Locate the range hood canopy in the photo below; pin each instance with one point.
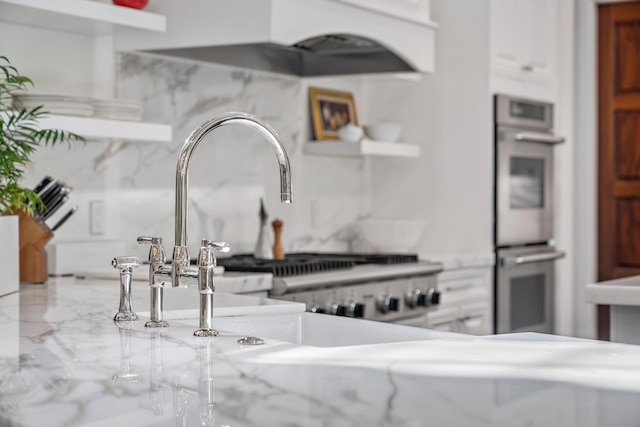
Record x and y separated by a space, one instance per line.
296 37
330 54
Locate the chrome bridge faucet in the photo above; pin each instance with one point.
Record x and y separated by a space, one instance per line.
180 273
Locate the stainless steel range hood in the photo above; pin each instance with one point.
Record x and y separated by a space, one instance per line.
296 37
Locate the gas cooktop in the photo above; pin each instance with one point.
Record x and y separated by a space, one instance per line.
312 262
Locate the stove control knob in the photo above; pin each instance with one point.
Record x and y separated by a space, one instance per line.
387 303
433 296
318 309
422 300
429 298
356 310
413 298
339 309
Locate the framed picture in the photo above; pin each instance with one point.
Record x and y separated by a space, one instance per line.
331 109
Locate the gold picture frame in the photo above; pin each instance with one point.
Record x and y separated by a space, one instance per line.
331 109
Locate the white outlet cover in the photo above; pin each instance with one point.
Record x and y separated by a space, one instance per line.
97 220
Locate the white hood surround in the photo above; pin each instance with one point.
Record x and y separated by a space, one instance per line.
297 37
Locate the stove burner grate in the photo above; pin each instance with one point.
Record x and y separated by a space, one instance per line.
284 268
309 262
363 258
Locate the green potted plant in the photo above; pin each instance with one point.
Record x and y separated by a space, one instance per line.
20 136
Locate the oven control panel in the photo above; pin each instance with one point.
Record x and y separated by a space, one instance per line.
382 301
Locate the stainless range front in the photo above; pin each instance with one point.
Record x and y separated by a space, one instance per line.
368 290
382 293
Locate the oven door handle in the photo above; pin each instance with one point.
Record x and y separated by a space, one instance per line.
539 137
511 261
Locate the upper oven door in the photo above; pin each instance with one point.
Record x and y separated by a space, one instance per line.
524 176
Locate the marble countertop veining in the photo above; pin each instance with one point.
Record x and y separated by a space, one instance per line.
64 363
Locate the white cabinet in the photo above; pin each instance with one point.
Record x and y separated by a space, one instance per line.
475 319
523 47
414 10
471 319
465 302
443 319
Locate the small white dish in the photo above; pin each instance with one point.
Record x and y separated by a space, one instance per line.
350 133
389 132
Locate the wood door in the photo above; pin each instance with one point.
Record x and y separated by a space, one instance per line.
619 146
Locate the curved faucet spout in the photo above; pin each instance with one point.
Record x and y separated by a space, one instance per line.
181 255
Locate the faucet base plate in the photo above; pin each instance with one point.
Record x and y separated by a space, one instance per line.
125 316
156 324
203 333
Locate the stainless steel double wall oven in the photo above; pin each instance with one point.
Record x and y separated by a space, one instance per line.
524 223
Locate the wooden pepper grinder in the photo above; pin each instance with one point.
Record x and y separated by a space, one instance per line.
278 250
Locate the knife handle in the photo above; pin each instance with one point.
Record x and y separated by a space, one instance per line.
42 184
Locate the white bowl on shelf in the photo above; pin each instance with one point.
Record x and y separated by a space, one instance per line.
350 133
390 235
389 131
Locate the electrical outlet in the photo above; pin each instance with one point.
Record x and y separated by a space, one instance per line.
97 221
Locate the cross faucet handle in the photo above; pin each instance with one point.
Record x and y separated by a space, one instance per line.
149 240
206 257
157 257
125 264
219 246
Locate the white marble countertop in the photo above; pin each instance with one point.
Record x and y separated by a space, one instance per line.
64 363
615 292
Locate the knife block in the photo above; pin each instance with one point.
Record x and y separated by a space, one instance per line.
33 237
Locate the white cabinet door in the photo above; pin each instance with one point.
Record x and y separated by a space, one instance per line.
443 319
414 10
471 319
523 46
476 319
506 50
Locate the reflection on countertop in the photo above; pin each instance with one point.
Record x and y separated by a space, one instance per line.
63 362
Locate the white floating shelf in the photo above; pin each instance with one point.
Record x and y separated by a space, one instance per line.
366 147
79 16
93 128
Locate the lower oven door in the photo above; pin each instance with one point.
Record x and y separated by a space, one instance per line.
525 288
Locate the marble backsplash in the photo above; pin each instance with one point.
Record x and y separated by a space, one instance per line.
229 173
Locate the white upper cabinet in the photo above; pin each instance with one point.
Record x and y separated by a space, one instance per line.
412 10
523 47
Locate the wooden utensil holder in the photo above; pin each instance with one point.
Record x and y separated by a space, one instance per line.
33 236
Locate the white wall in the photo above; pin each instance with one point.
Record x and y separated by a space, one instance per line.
586 261
449 114
55 61
566 290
